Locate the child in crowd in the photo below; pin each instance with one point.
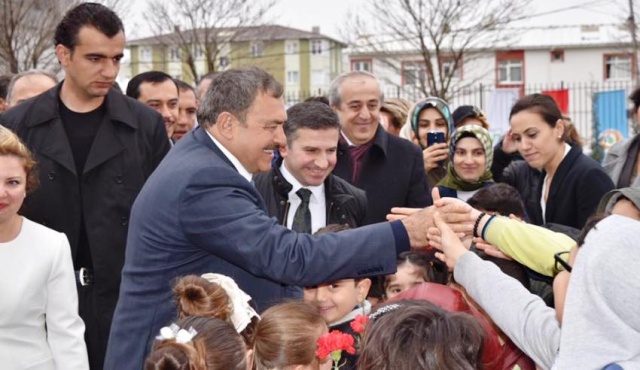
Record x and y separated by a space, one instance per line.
340 302
286 338
414 268
415 334
198 343
216 296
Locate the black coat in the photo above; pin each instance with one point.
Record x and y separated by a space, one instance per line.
346 204
392 175
130 142
576 189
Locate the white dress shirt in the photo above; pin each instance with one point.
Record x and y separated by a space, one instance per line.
317 201
236 163
543 202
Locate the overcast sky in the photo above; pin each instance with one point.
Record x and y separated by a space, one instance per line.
331 14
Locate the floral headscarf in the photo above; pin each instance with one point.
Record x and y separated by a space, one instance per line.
452 180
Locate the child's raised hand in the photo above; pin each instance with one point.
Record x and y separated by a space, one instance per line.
450 244
490 249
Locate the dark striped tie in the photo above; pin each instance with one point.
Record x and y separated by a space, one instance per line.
302 218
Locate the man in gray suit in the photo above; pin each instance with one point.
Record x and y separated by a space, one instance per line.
199 212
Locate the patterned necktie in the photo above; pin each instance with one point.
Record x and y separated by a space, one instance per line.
302 218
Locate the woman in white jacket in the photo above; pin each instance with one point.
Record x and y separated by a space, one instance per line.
40 328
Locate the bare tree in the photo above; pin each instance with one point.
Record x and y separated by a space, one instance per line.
440 34
202 28
26 29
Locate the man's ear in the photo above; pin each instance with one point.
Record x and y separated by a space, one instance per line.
225 124
63 54
363 287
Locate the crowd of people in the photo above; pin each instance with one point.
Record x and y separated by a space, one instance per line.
168 226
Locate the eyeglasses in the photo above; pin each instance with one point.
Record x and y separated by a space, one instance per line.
561 264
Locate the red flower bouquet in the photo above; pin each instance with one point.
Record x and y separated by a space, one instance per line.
332 344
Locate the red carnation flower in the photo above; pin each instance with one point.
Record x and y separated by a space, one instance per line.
333 344
359 323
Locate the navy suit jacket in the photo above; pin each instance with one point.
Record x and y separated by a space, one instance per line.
197 214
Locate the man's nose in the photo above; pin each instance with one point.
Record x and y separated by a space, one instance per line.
280 138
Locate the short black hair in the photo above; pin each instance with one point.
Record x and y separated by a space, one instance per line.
5 80
500 198
184 86
635 98
311 115
510 268
318 98
93 15
154 77
589 225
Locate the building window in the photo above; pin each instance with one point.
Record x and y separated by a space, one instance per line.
618 67
316 47
256 49
414 74
319 77
557 56
145 54
223 61
361 65
447 67
510 71
175 54
292 47
197 52
293 77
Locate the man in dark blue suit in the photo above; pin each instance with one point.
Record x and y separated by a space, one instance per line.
199 212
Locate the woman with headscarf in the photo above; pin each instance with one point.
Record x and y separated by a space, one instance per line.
430 115
471 153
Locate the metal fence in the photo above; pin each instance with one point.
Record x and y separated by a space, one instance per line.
580 101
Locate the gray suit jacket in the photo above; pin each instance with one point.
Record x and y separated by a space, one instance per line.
615 159
197 214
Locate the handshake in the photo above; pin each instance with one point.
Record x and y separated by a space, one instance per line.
441 225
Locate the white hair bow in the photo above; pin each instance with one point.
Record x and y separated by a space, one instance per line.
173 331
242 312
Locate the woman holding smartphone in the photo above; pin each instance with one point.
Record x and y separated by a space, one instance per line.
432 115
471 152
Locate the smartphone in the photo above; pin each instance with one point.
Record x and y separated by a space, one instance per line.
434 137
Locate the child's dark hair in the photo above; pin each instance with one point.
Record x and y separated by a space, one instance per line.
416 334
197 296
510 268
590 224
500 198
215 346
432 269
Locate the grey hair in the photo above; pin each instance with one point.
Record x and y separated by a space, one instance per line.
335 95
31 72
234 91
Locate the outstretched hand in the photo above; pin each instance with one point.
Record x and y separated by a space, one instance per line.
418 221
450 244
